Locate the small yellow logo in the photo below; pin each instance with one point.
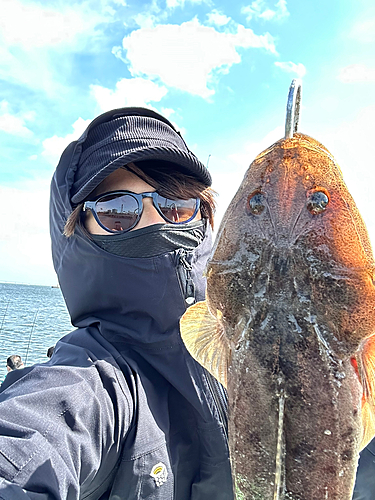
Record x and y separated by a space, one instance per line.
160 473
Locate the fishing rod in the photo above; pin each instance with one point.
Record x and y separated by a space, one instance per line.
2 323
32 329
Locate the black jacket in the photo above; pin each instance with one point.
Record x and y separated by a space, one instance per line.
364 488
121 394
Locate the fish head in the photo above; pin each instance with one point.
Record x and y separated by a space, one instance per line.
294 229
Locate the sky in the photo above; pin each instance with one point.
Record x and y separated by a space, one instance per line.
219 70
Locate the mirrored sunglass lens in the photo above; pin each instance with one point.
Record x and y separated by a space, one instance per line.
176 210
117 212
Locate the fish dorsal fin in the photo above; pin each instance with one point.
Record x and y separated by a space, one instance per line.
203 335
366 360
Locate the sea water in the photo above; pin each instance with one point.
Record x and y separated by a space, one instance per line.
32 319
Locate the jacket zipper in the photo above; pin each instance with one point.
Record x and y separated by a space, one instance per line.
186 281
218 392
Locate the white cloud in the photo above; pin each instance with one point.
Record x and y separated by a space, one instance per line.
259 10
172 4
36 40
32 69
30 25
117 52
217 19
289 67
186 56
363 31
357 73
128 92
167 112
54 146
153 15
25 244
14 124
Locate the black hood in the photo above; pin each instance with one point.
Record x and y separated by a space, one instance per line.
134 303
122 296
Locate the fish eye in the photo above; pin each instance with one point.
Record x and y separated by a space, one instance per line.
317 201
256 203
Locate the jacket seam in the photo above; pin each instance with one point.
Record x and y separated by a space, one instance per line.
130 410
142 455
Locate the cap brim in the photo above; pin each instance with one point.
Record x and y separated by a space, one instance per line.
189 163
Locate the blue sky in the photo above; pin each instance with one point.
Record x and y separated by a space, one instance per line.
219 70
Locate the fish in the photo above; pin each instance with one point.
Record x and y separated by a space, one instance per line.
288 326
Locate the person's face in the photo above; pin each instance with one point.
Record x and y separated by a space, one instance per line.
9 369
122 179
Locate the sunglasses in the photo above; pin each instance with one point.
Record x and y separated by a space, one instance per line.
120 211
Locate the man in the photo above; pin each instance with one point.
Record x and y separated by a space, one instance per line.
122 411
14 362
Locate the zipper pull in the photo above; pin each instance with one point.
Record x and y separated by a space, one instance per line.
189 292
189 289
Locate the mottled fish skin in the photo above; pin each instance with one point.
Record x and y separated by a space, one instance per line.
296 293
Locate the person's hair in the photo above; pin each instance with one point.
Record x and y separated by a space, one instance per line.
169 182
50 351
14 362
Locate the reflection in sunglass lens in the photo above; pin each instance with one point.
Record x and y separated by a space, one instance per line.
176 210
117 213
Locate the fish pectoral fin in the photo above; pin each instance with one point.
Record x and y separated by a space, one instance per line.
366 367
368 423
203 335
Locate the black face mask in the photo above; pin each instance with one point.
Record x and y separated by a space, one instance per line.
152 240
